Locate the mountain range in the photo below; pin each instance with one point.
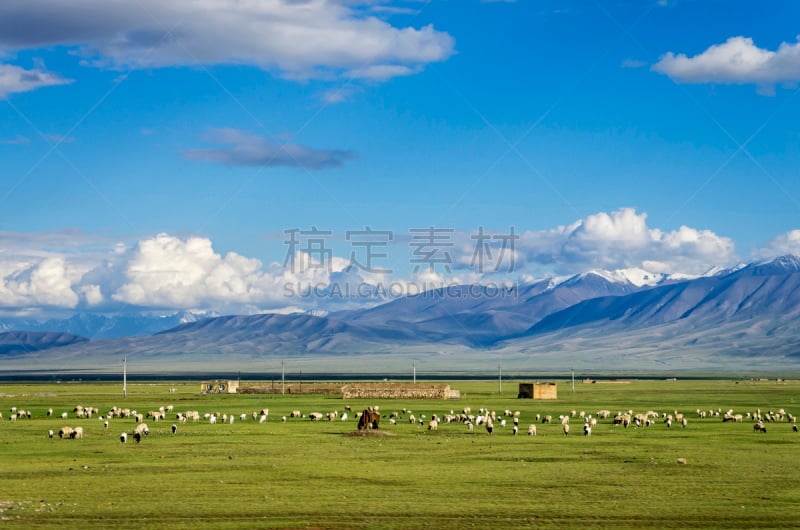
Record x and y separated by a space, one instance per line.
743 319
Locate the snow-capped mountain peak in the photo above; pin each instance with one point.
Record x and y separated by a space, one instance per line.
635 276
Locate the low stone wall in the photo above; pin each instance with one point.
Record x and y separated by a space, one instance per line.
399 391
294 388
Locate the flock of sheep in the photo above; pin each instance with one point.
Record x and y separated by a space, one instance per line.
489 420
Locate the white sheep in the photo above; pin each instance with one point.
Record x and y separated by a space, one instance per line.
142 429
262 419
516 428
587 429
532 430
566 429
50 433
77 433
123 437
174 428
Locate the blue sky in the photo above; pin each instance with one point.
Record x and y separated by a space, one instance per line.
155 154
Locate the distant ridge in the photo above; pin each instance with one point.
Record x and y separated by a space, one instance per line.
741 317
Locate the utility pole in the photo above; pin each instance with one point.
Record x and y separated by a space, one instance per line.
500 378
125 376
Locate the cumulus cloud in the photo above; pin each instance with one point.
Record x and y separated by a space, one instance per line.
15 79
787 243
736 61
47 283
243 149
312 39
622 239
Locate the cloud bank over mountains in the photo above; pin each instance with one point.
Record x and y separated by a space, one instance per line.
169 272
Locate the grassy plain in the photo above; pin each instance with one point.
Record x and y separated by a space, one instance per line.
304 474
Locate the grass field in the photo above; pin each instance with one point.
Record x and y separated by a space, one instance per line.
305 474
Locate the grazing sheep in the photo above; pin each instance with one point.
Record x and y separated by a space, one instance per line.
212 419
123 437
516 429
759 427
684 422
77 433
682 460
242 417
566 429
142 429
64 415
137 436
315 416
532 429
64 431
174 428
262 419
344 416
433 425
283 419
50 433
295 414
794 428
49 412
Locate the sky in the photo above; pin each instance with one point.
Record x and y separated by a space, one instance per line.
284 155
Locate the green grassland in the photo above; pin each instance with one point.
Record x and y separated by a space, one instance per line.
305 474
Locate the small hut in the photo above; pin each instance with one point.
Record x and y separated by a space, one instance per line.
219 387
538 391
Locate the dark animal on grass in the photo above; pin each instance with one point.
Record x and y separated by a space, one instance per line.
369 419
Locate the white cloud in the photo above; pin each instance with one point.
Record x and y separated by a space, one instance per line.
787 243
47 283
622 239
736 61
166 271
14 79
299 40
